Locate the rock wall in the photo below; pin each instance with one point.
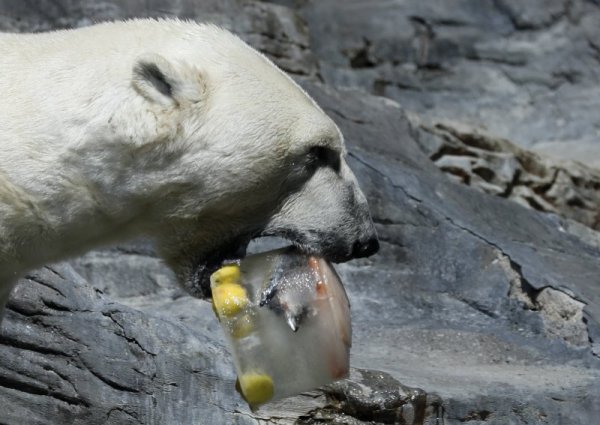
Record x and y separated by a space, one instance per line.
476 309
498 167
523 70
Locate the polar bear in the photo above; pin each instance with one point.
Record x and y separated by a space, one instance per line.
175 130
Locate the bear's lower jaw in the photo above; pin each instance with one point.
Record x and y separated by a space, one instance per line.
314 242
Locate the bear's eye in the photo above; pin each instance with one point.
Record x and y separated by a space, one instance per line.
322 156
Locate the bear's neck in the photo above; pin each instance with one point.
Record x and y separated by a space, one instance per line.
51 223
79 201
83 182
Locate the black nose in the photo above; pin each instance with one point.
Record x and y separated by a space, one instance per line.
365 249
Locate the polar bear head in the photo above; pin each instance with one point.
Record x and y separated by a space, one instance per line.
244 152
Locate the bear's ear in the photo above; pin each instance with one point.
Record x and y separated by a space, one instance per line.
167 83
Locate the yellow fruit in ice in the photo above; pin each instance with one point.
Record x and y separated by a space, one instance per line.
226 274
242 326
229 299
256 388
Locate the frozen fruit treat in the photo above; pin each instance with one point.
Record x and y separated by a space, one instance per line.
287 318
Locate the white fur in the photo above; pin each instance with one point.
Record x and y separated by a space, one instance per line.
94 149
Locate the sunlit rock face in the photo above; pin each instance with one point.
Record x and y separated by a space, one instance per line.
476 308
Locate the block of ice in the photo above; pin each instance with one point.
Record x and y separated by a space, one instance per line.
287 318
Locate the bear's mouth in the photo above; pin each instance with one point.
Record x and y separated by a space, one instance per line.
198 282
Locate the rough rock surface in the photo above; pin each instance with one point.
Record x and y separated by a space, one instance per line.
498 167
477 310
276 30
524 70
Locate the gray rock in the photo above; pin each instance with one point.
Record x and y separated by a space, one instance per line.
498 167
475 310
524 70
449 255
276 30
72 355
563 316
432 311
533 14
375 397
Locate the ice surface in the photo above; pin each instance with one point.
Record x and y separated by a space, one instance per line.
293 332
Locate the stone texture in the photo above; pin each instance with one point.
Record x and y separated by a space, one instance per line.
524 70
475 310
276 30
431 311
498 167
373 396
